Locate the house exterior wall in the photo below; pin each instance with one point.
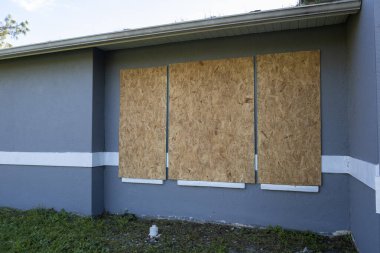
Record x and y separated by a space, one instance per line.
377 45
252 205
363 111
364 222
27 187
362 98
98 139
46 105
69 102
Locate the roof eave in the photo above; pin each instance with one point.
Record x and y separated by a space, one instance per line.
185 28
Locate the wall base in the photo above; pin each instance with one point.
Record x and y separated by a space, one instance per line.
326 211
78 190
365 223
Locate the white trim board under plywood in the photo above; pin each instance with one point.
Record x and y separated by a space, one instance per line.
142 181
211 184
293 188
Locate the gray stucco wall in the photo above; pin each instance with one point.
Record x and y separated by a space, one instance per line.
251 206
27 187
377 45
363 111
98 141
53 103
46 103
97 190
364 221
362 98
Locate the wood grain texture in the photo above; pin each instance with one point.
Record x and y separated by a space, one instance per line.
289 121
212 121
142 131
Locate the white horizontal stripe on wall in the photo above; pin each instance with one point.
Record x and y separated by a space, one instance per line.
335 164
362 170
47 159
366 172
69 159
107 158
377 182
330 164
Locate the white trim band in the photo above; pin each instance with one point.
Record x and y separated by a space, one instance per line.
377 182
366 172
142 181
69 159
362 170
110 158
48 159
211 184
359 169
335 164
292 188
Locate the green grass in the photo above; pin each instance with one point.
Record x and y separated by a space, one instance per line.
42 230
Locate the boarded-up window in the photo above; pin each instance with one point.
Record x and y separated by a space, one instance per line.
289 130
211 135
142 131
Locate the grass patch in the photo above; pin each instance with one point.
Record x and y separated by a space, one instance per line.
41 230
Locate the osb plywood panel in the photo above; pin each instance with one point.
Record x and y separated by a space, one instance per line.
289 121
212 121
142 131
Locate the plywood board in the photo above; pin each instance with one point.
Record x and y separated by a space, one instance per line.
142 131
211 134
289 121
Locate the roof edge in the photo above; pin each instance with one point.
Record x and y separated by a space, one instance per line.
338 8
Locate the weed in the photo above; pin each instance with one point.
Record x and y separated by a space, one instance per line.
45 230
